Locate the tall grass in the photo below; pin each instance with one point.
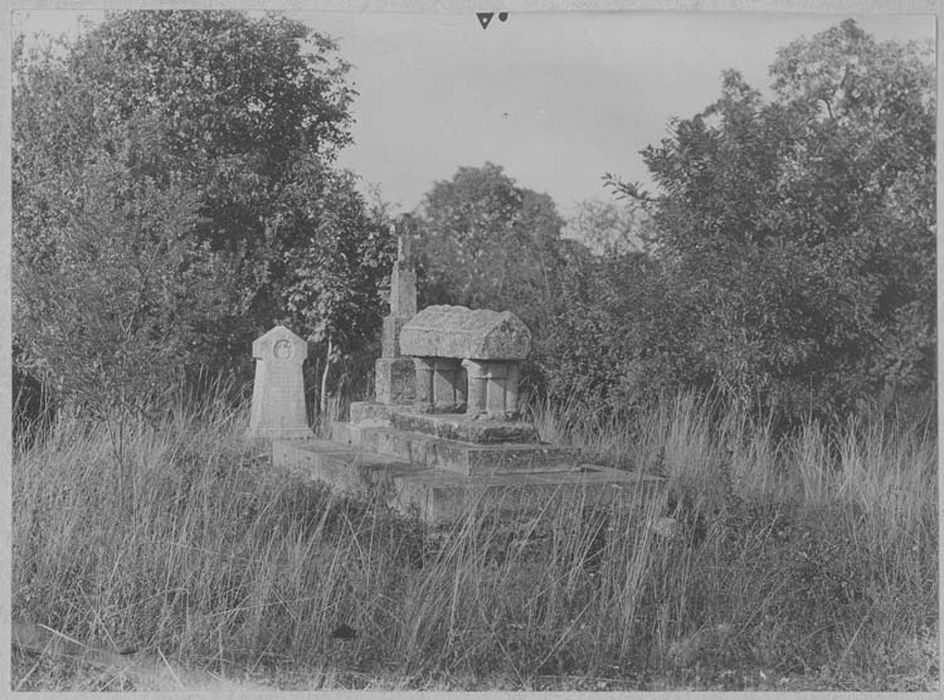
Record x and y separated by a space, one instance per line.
811 552
814 554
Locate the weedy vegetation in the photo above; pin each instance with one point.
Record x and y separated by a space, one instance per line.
805 561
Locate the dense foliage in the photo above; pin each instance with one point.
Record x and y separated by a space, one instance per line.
793 242
174 196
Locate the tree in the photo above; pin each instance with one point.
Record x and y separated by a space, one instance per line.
609 228
485 242
227 126
333 288
801 230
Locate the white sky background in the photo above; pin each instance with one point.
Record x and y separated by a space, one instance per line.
557 98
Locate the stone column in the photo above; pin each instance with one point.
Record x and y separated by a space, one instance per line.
278 394
446 392
394 381
511 389
424 367
462 387
496 379
476 372
403 282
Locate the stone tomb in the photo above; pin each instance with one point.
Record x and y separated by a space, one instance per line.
437 466
458 444
466 360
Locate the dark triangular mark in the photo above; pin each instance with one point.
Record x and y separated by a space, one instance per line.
484 18
344 632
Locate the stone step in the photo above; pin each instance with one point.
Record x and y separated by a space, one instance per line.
467 459
439 495
453 426
342 465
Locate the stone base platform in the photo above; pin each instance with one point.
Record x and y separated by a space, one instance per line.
439 495
448 426
465 458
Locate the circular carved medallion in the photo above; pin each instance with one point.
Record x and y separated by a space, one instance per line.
283 349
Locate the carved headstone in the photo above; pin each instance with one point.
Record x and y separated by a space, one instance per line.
278 395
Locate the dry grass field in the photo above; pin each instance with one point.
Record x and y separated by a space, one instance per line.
168 555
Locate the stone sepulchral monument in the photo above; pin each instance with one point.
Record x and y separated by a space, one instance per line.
278 393
444 428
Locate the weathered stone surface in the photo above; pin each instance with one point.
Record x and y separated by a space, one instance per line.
460 427
344 467
459 332
402 290
440 496
390 336
370 413
278 395
394 380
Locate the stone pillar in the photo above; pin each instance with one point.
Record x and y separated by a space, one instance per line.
423 368
447 394
462 386
394 374
496 378
278 394
403 282
511 389
476 372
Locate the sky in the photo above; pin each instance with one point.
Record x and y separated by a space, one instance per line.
556 98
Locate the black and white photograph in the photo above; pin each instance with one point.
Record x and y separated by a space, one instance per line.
449 347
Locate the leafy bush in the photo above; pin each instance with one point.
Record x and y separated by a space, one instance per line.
174 195
799 233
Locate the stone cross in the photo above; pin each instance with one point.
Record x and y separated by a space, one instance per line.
393 373
278 395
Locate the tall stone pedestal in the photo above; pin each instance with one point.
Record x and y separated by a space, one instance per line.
394 379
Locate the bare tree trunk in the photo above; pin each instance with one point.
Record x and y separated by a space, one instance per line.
323 399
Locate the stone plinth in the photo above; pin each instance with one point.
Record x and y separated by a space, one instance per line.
439 496
278 395
460 427
390 336
439 466
394 381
